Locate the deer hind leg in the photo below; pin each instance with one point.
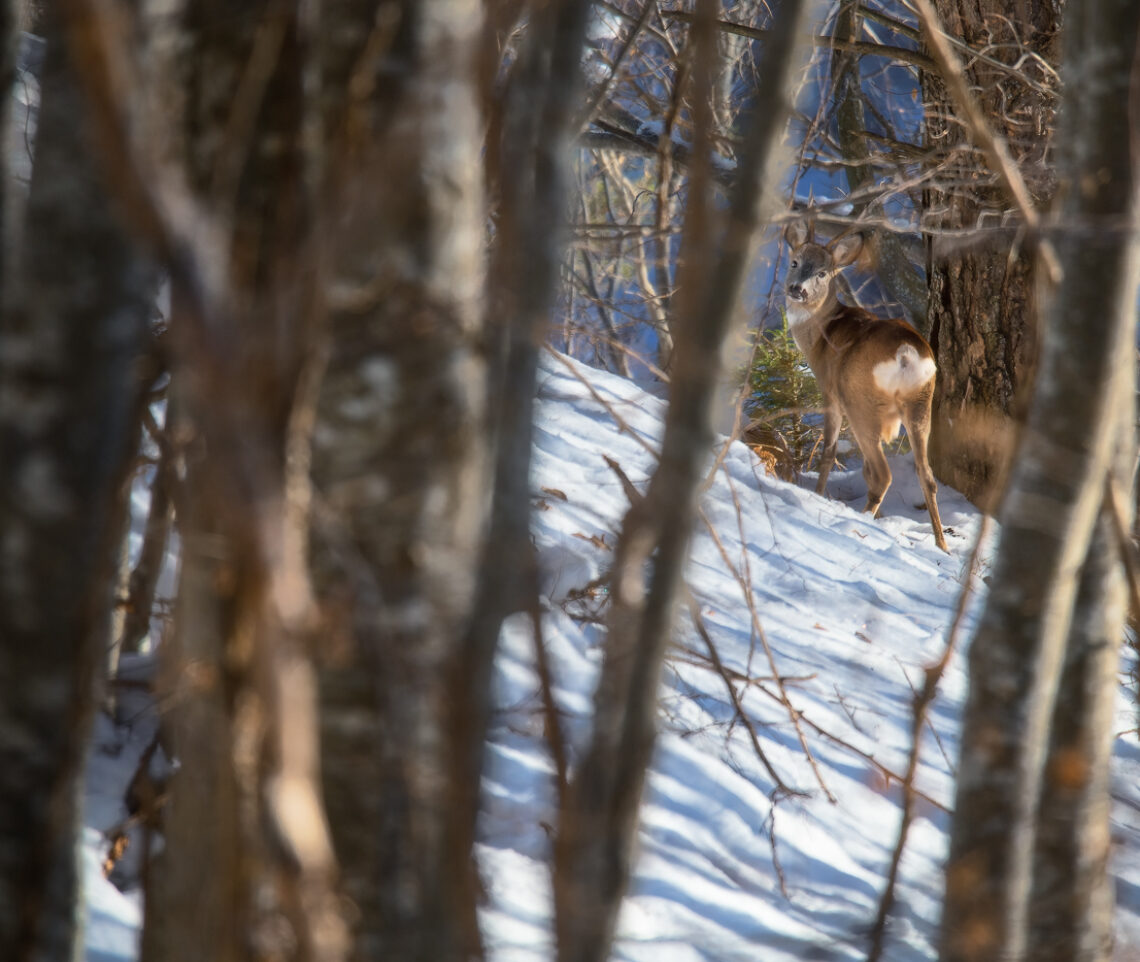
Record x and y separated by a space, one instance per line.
916 418
868 430
876 472
832 422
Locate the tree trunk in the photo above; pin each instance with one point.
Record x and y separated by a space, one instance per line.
541 104
982 310
1071 902
400 462
599 818
72 327
1029 839
247 871
892 266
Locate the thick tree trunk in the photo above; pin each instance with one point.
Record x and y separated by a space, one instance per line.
1071 901
401 464
72 331
247 871
1025 878
982 311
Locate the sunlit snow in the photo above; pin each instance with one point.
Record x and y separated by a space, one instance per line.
728 867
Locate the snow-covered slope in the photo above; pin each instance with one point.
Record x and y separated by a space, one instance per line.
846 611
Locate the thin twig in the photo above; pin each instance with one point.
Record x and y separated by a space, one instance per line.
686 656
770 821
888 774
718 667
758 631
1114 503
555 737
634 496
923 701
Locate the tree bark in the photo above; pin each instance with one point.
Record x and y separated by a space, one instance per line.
982 310
541 104
72 327
248 870
400 462
1071 901
1025 877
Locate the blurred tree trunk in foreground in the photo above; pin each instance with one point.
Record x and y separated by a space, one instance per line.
1026 876
247 871
72 336
982 310
599 818
400 462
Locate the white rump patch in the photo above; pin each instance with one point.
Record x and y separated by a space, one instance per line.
905 372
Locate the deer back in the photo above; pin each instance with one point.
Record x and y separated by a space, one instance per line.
851 351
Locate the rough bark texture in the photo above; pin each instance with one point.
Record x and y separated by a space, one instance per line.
9 46
400 463
1070 913
1031 805
72 329
982 314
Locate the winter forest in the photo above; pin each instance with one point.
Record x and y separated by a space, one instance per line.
410 543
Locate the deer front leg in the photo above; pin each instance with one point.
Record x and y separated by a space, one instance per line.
832 421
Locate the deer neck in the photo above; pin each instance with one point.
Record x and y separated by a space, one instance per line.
807 323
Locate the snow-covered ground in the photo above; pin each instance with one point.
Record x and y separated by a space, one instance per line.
846 611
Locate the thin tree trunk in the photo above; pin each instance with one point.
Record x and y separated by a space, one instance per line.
598 825
1009 775
72 326
142 583
541 105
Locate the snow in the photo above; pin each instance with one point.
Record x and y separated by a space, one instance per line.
729 868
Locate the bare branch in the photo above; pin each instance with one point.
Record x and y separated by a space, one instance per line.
994 147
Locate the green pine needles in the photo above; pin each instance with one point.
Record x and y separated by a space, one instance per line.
783 403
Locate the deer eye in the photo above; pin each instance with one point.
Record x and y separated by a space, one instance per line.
821 274
795 263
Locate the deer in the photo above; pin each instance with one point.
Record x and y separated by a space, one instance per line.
877 372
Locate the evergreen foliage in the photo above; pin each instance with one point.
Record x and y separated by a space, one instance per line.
783 402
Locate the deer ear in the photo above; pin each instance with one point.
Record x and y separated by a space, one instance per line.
797 233
845 249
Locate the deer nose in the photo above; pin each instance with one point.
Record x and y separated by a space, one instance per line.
796 292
